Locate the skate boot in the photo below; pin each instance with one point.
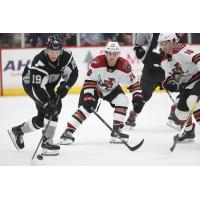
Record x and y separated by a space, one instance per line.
187 136
130 122
48 148
67 138
173 121
16 136
116 138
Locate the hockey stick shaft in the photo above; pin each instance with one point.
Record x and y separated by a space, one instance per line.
109 127
45 130
170 96
185 124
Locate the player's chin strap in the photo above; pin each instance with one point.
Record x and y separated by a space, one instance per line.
185 124
123 141
45 129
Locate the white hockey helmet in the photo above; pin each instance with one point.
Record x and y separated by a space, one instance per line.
168 37
112 47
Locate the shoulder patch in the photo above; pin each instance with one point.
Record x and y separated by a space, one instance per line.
123 65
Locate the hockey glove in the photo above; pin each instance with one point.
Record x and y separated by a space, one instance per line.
171 85
89 102
50 107
139 52
62 90
138 102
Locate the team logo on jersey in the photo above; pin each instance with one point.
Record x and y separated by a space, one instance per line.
108 84
178 69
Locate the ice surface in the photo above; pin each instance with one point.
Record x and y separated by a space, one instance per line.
91 146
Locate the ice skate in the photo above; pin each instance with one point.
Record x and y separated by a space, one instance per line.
48 148
16 136
67 138
130 122
187 136
116 138
173 122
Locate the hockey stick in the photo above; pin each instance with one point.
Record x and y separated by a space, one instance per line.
185 124
45 130
170 96
123 141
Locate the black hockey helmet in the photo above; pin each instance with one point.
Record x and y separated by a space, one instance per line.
54 43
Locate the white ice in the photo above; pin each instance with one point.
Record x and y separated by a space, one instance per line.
91 146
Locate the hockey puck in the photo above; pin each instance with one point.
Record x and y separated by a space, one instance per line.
39 157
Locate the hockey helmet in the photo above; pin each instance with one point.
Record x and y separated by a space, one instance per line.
168 37
112 47
54 43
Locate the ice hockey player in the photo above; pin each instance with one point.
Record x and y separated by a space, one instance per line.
102 81
39 82
152 74
182 70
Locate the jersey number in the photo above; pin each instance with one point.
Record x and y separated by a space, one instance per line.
37 79
189 51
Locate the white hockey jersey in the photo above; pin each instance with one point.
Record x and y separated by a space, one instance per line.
105 79
183 64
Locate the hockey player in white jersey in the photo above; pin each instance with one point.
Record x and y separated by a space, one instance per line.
182 71
102 81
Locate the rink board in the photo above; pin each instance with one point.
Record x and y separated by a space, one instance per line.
13 62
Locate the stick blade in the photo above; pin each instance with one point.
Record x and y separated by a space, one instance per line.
134 147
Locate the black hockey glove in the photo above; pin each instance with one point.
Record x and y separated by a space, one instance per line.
171 85
62 90
138 102
139 52
50 107
89 102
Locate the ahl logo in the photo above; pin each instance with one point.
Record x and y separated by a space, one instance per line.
11 65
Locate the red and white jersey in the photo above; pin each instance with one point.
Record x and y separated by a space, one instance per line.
183 64
105 79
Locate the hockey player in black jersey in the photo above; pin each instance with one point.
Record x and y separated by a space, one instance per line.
39 81
152 73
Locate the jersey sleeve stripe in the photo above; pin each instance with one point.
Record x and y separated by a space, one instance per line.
196 58
134 87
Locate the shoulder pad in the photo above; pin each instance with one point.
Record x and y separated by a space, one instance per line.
123 65
178 47
98 62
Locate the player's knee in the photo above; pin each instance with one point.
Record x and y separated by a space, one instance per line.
120 100
191 100
38 122
181 115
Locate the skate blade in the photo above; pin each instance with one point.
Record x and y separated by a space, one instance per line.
65 142
12 137
186 141
47 152
117 140
129 128
173 125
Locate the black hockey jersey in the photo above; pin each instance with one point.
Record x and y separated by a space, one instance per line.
153 55
43 75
